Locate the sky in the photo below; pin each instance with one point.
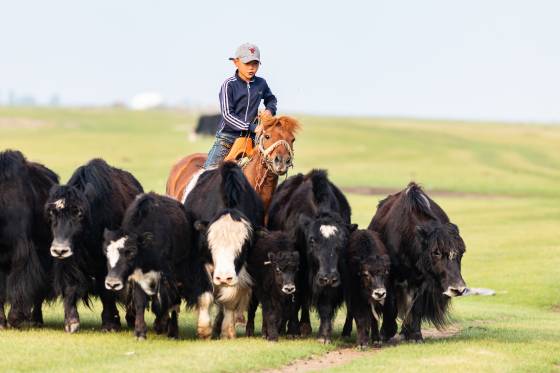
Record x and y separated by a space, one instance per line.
475 59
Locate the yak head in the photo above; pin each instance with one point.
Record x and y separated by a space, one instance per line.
373 273
227 239
284 265
442 251
326 235
126 254
67 210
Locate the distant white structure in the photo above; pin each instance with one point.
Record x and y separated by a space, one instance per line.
146 101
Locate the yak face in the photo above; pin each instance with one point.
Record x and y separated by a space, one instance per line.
443 249
124 253
227 238
284 265
67 211
373 273
325 238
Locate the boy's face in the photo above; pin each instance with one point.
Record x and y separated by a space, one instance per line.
247 71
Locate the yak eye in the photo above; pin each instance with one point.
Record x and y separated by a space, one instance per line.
278 270
78 213
437 254
311 240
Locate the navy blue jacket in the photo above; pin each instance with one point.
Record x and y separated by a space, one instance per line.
239 103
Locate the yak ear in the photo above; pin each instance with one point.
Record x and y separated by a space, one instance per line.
200 225
108 234
420 229
305 220
352 228
146 238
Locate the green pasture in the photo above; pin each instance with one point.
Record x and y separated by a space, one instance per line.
500 183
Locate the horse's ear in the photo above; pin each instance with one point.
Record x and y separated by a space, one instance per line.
267 120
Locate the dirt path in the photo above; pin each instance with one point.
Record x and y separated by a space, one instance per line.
346 355
368 191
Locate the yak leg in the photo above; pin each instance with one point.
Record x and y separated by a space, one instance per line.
140 301
3 321
218 322
173 324
161 322
305 322
347 329
204 328
71 316
326 314
411 328
37 313
363 325
228 323
390 312
272 319
250 327
110 320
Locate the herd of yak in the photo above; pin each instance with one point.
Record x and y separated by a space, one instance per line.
101 235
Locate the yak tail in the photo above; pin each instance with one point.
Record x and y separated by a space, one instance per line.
321 186
233 184
27 279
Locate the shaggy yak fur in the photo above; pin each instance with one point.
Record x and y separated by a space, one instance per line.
426 251
25 263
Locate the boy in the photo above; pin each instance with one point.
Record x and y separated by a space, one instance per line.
240 97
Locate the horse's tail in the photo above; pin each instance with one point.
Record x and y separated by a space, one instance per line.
233 184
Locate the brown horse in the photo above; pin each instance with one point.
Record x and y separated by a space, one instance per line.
272 157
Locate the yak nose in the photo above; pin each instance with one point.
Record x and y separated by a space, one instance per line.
288 289
114 284
60 249
379 294
331 279
455 291
220 279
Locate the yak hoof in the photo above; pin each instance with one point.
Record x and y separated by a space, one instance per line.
140 338
362 347
72 327
305 329
324 340
204 332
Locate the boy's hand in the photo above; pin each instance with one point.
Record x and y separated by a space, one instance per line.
263 116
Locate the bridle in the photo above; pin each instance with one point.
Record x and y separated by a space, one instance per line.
267 161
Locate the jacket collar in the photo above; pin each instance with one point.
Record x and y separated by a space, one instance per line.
239 78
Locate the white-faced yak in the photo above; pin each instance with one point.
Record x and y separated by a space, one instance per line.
151 252
226 211
317 215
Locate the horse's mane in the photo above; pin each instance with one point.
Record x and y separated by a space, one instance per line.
287 123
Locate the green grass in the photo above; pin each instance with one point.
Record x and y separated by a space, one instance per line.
510 225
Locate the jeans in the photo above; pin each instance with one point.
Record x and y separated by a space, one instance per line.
220 149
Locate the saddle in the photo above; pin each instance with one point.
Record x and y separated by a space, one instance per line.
242 147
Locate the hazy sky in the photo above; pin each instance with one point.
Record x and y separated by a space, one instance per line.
475 59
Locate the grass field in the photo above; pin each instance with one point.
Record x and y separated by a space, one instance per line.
507 205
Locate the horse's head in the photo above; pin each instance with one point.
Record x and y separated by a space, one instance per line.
276 142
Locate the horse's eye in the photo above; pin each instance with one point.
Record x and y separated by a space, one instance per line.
267 137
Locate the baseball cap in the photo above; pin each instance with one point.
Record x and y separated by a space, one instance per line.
247 52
